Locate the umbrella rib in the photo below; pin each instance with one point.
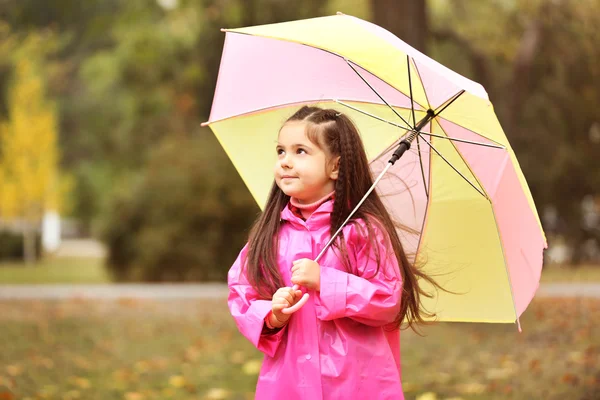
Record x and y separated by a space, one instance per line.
421 164
376 92
372 115
408 129
454 168
456 96
463 140
412 103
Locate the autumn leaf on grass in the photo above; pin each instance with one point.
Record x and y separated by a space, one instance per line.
14 370
470 388
570 378
177 381
134 396
252 367
217 394
499 373
81 383
142 366
427 396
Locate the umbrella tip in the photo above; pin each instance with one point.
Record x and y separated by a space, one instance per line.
205 123
223 30
340 13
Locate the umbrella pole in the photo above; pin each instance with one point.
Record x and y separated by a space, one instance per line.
402 147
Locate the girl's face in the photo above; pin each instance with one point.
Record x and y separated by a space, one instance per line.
303 170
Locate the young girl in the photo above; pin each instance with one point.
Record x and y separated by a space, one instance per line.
344 343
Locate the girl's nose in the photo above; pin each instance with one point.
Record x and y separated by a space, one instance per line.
285 162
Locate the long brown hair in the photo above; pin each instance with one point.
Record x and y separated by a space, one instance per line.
335 133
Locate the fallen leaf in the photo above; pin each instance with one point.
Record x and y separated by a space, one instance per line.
134 396
498 373
470 388
217 394
14 370
570 378
252 367
177 381
427 396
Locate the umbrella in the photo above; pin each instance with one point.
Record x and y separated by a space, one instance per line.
458 183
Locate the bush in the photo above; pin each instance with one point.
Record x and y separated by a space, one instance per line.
11 246
185 219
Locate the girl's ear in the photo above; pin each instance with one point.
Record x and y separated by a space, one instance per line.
335 169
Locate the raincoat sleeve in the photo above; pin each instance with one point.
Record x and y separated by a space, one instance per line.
248 311
372 296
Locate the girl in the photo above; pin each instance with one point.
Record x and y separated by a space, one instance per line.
344 343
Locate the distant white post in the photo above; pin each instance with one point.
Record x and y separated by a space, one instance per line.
50 231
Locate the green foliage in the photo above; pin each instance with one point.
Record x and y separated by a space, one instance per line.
11 246
538 63
126 74
185 218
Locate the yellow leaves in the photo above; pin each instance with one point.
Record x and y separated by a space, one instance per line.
216 394
471 388
434 396
177 381
81 383
427 396
134 396
29 174
252 367
14 370
142 366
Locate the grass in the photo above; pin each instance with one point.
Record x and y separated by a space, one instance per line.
568 273
55 270
183 350
91 270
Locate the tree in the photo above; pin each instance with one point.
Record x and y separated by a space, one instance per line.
29 155
406 19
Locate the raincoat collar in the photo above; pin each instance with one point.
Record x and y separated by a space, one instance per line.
319 218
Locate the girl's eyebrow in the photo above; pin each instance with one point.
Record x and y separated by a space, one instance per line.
294 145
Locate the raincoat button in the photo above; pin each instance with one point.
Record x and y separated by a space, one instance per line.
308 356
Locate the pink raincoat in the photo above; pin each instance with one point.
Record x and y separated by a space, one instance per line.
335 346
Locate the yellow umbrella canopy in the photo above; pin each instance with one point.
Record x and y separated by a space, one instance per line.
460 185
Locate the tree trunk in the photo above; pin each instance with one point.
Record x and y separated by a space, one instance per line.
29 252
522 71
406 19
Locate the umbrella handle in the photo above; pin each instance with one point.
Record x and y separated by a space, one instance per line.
298 305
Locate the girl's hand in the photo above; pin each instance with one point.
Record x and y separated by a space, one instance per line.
283 298
307 273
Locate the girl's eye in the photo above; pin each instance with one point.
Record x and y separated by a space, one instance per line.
280 152
301 151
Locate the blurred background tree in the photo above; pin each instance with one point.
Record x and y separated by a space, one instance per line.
29 173
133 79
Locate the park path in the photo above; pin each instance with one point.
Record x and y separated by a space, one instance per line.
209 291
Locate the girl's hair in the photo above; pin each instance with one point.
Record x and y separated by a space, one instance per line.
335 132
